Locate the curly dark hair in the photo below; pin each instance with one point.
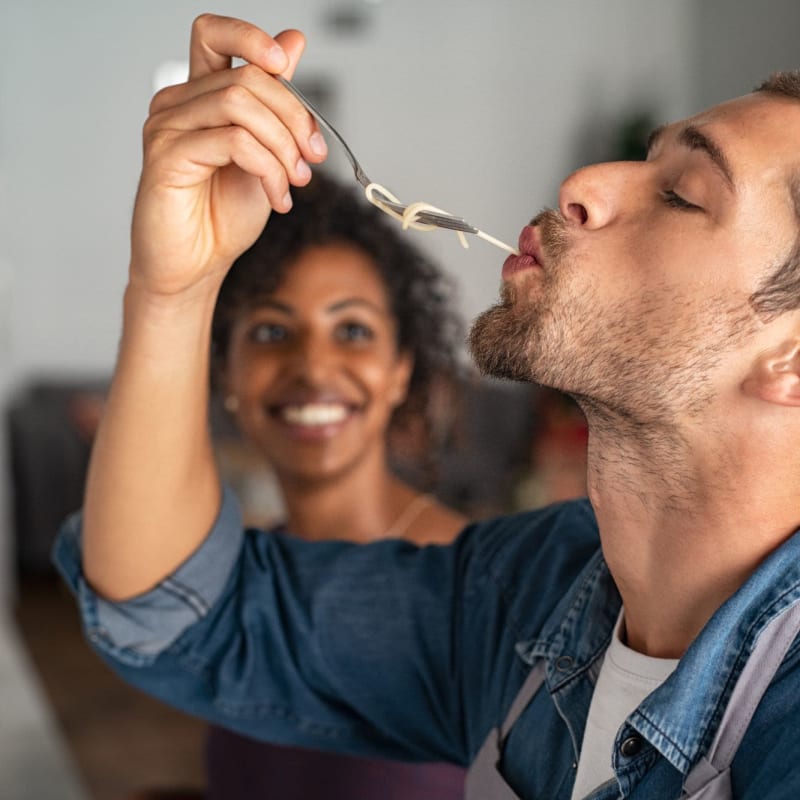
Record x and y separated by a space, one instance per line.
420 295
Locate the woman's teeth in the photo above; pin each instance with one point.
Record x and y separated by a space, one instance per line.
314 414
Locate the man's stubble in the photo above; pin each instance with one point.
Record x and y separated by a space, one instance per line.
643 357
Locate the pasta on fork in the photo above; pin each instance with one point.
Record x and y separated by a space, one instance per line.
410 216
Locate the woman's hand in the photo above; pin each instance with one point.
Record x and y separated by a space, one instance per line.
220 152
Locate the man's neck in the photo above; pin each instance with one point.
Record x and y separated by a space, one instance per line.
683 527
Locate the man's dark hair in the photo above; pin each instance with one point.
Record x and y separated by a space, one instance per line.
781 291
421 297
783 83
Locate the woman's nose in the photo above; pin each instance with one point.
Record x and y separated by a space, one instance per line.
593 197
313 360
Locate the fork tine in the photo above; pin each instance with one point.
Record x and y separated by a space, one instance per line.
445 221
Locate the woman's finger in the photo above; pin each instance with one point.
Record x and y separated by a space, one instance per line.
216 40
181 160
248 92
236 105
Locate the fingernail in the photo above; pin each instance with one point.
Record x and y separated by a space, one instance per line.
276 58
287 201
317 144
302 169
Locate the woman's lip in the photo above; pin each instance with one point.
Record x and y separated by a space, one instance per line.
297 396
314 433
284 410
312 430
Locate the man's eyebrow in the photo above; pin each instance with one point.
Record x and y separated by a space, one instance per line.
654 137
692 137
794 191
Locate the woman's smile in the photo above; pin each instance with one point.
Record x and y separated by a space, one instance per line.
316 363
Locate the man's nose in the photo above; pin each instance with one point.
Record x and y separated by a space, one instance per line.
594 196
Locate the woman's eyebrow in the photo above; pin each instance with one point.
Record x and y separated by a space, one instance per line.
272 305
357 301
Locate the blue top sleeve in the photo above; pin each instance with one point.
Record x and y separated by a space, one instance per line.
139 629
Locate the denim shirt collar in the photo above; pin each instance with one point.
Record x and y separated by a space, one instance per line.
681 717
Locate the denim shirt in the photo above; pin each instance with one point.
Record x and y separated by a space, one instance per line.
399 651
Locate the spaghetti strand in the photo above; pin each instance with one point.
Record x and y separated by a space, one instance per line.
409 218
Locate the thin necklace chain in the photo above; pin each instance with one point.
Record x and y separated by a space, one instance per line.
412 510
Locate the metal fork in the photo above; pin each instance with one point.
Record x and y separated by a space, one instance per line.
440 220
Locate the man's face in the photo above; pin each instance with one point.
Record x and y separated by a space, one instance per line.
635 294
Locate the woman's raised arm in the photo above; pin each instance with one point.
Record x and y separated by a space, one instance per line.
220 152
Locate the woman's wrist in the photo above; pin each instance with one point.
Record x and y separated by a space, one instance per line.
171 307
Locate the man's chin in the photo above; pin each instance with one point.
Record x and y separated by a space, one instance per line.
498 342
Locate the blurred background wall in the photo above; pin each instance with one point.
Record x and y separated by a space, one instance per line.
479 107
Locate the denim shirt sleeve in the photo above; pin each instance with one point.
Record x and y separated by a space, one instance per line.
383 649
138 630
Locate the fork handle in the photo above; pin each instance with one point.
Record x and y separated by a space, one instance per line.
361 176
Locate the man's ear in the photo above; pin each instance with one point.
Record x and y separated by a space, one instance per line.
775 376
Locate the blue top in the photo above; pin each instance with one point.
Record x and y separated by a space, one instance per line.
397 651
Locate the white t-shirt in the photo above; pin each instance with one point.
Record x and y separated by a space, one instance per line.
626 678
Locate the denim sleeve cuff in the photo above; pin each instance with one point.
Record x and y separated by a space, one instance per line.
136 631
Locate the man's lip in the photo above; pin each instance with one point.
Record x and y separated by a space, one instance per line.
530 243
514 264
530 253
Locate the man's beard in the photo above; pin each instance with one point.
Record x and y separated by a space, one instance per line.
628 358
501 338
504 338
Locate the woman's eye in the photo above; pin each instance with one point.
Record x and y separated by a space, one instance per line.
354 332
268 333
674 200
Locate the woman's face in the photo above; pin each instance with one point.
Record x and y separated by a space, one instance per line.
315 367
